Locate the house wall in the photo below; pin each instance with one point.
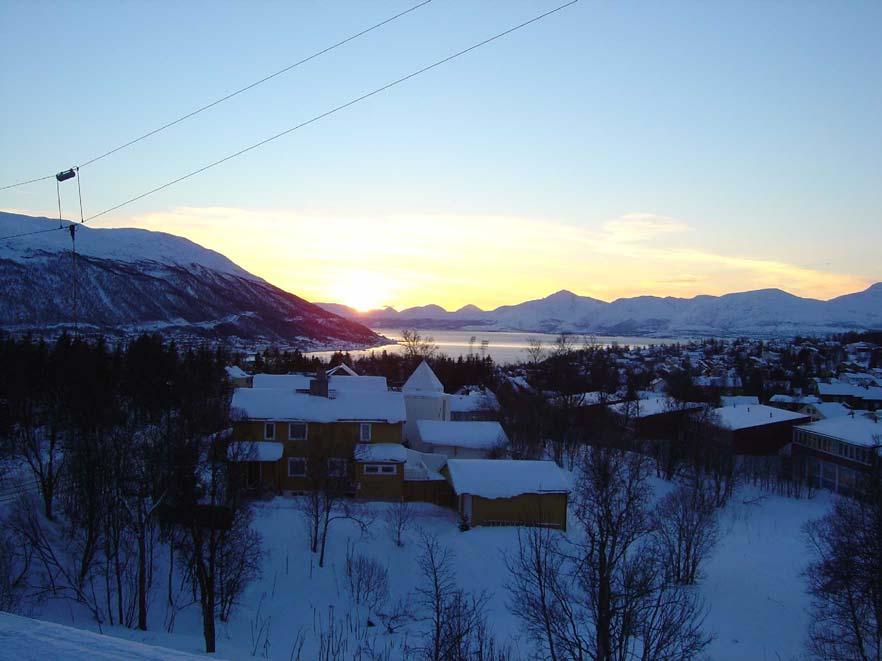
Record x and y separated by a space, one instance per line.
324 440
545 509
422 408
334 432
454 452
764 439
380 487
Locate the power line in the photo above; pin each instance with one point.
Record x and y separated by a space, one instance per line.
317 117
236 93
336 109
29 181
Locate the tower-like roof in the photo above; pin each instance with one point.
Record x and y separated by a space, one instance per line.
423 379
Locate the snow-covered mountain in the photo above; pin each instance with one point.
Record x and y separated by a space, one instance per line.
765 312
131 280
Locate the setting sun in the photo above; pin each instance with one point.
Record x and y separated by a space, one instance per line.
361 290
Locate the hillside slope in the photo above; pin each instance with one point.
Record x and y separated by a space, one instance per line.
130 281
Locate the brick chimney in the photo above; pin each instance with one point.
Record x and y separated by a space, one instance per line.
319 385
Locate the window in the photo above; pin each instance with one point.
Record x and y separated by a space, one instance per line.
296 467
337 467
296 431
269 430
364 432
380 469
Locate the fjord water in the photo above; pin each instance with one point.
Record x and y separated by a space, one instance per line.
503 346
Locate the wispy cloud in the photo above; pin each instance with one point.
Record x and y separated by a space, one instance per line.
453 259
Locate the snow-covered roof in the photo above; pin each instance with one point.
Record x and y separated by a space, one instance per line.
743 417
644 408
286 404
424 465
474 400
25 638
506 478
581 399
342 367
838 389
423 380
828 409
735 400
236 372
795 399
336 382
254 451
389 452
859 429
462 434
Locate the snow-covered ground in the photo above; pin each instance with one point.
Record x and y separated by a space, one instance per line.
26 639
755 593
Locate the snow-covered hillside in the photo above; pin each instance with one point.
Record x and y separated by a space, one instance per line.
766 312
752 583
133 280
26 639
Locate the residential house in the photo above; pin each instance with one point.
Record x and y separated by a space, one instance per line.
509 492
466 439
756 429
238 377
285 437
424 399
473 403
837 453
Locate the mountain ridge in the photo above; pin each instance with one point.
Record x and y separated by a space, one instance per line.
762 312
133 280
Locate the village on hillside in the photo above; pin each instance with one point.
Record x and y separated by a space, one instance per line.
232 466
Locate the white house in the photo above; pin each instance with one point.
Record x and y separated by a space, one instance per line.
464 439
424 399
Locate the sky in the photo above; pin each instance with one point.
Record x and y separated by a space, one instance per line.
612 149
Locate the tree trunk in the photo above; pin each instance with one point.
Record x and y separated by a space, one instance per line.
142 580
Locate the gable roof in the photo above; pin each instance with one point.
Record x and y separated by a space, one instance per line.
335 382
743 417
423 379
462 434
506 478
286 404
860 429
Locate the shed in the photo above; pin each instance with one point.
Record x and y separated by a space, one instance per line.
510 492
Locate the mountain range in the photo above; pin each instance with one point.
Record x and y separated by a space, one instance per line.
760 313
132 280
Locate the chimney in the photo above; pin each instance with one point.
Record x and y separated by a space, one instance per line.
319 385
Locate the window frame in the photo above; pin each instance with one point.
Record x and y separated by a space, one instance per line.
380 469
305 468
342 469
269 426
361 429
305 431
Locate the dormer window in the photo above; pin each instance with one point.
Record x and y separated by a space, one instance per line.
269 431
297 431
364 432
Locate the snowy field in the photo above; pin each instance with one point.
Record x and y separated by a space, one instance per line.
752 584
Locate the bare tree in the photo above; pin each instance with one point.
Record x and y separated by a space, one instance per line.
416 346
535 350
685 530
455 617
539 594
611 503
670 619
845 578
367 580
606 597
398 519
